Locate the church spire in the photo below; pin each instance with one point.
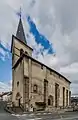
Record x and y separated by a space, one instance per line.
20 31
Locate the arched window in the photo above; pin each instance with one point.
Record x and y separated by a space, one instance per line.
17 83
18 96
26 52
49 102
35 88
21 51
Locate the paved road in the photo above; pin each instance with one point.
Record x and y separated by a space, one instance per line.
47 116
5 116
40 116
37 116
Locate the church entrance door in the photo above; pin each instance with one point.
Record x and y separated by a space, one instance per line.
19 102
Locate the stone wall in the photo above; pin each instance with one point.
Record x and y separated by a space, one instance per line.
16 49
37 74
18 78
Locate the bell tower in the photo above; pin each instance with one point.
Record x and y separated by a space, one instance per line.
19 48
19 43
20 31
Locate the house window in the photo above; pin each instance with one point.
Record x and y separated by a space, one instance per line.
17 83
21 52
35 88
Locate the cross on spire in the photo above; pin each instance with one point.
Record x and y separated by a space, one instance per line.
20 12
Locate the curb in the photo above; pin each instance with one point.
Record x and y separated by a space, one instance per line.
9 111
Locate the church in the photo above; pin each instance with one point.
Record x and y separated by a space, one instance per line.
35 85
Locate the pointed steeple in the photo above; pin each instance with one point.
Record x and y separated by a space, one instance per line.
20 31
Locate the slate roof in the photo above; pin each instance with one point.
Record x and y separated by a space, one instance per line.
20 32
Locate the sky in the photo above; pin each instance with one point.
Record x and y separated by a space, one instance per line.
51 29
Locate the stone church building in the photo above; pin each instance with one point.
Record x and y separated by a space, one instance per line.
35 85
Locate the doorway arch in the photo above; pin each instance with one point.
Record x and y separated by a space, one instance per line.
50 100
18 98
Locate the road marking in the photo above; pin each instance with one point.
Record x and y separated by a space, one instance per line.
13 114
31 114
49 113
44 113
16 115
24 115
38 113
34 119
30 119
38 118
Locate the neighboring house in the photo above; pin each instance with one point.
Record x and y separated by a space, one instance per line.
9 96
6 96
74 101
35 85
1 97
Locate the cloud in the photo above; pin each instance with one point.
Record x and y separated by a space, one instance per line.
66 16
4 52
40 39
4 87
55 19
71 69
58 22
